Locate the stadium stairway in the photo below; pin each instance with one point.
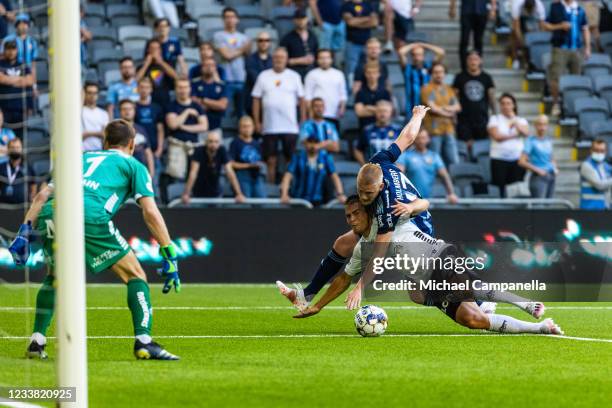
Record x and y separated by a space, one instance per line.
433 20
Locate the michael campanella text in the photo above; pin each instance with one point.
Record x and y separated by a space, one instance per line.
443 285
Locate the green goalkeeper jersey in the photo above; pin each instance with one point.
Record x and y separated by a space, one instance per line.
110 178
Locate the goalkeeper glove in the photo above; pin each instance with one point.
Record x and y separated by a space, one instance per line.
169 269
20 247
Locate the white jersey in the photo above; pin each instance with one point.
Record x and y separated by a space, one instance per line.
405 232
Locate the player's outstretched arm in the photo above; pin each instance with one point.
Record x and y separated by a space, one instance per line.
157 226
20 247
337 287
411 130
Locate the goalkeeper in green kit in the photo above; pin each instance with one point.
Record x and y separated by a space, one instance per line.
110 177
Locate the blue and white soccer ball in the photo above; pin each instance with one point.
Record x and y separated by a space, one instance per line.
371 321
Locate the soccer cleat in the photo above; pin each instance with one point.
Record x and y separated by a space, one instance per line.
535 309
295 296
152 351
549 327
488 307
36 350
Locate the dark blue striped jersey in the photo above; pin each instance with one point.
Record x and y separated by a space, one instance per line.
398 188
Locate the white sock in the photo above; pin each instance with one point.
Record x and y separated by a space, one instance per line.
144 338
502 297
507 324
38 338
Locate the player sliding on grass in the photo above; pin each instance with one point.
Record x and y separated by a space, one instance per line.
398 204
466 313
110 177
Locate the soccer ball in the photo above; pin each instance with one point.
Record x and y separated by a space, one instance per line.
371 321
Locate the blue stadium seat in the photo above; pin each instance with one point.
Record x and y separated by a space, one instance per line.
417 36
347 168
597 65
349 183
480 148
131 32
462 149
605 40
590 110
438 190
573 87
42 167
175 190
602 129
207 26
466 173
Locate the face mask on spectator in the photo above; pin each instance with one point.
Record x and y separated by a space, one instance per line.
598 157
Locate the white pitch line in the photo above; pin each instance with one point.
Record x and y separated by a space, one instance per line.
27 308
331 335
17 404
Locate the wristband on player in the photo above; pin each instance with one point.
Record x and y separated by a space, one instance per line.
168 252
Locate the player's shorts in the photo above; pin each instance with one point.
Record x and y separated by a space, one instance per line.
448 308
104 245
402 26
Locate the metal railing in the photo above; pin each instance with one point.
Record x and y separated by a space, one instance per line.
491 203
231 203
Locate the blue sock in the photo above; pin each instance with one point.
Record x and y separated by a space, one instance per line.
328 268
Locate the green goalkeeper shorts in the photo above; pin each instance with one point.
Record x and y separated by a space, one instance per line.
104 245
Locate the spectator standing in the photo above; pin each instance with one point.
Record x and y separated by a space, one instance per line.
309 170
372 56
210 93
379 135
125 88
416 72
150 116
93 118
360 18
369 95
592 10
422 165
595 179
6 135
440 123
537 157
16 183
277 93
207 50
329 84
165 9
473 21
233 46
324 130
506 131
257 62
246 160
27 46
161 74
301 44
171 49
142 148
570 34
476 91
328 16
399 21
185 118
15 80
206 169
527 16
7 15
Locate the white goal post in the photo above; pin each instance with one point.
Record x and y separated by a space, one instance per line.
67 159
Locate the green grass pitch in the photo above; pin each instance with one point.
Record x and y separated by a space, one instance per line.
239 346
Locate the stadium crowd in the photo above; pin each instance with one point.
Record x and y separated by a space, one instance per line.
293 109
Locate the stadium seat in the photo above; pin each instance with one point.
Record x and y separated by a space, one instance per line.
538 44
36 140
43 100
105 55
603 84
95 15
119 10
347 168
438 191
207 10
42 167
207 26
573 87
111 76
349 121
462 149
272 190
396 76
399 94
192 7
181 34
590 110
597 65
466 173
134 44
417 36
349 183
138 32
104 33
191 55
602 129
480 148
605 40
238 3
137 54
485 166
175 190
42 74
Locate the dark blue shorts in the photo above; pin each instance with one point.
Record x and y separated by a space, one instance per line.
402 26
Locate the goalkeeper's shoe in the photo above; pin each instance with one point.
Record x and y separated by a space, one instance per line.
36 350
295 296
535 309
549 327
152 351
